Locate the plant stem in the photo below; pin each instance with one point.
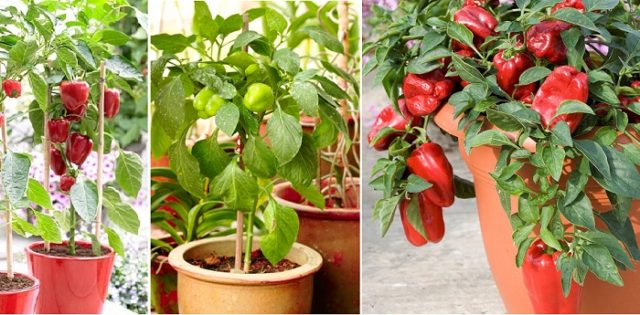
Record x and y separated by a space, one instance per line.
249 242
72 231
9 229
100 150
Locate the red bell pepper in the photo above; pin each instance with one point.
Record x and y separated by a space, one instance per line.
635 84
576 4
78 148
432 221
66 182
424 93
478 20
111 102
56 160
76 115
58 130
509 71
544 282
12 88
431 164
564 83
413 236
74 95
544 40
388 117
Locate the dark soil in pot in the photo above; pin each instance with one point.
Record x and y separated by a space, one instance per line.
63 251
259 263
15 284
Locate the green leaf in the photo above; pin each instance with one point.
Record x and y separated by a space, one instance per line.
466 71
38 194
129 170
562 134
460 33
323 38
111 37
415 217
624 179
258 158
566 264
594 5
211 157
287 60
611 243
84 197
231 24
595 154
601 264
623 231
23 227
492 138
310 193
123 68
203 23
306 96
384 210
186 167
548 238
238 189
169 103
282 229
274 20
47 228
533 74
245 38
554 160
285 133
114 241
579 212
573 106
171 44
575 17
15 175
303 167
240 59
227 118
522 251
416 184
39 88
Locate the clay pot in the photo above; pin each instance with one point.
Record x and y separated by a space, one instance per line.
598 296
335 234
205 291
75 285
164 286
21 301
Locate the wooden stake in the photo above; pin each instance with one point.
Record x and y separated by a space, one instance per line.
9 229
100 149
45 153
343 60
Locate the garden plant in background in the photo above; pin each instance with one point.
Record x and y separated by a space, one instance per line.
544 97
254 87
67 71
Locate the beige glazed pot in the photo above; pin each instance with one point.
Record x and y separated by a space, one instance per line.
597 296
202 291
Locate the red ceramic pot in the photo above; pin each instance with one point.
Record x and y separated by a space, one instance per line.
335 234
164 286
71 285
22 301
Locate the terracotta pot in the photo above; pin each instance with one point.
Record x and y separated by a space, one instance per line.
598 296
335 234
75 285
21 301
203 291
164 286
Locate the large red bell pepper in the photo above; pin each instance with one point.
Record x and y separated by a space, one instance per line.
388 117
544 282
509 71
58 130
424 93
78 148
12 88
432 221
564 83
544 40
431 164
58 165
478 20
576 4
74 95
77 114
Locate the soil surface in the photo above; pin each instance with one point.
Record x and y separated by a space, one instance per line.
15 284
63 251
259 263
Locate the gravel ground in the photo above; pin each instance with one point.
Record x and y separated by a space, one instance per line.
450 277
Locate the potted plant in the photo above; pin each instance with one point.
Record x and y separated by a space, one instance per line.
543 99
333 230
68 116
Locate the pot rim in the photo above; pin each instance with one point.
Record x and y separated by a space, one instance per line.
35 286
30 251
177 261
347 214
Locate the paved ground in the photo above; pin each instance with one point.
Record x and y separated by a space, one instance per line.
450 277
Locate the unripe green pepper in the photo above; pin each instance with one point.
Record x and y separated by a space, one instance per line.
215 102
202 98
259 98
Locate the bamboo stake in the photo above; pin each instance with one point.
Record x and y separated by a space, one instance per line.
9 230
45 153
100 149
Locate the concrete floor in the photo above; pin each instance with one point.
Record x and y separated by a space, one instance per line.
450 277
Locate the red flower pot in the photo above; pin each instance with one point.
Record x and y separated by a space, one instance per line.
22 301
75 285
164 286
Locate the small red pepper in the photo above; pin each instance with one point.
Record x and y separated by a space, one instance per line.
66 182
576 4
635 84
431 164
564 83
58 165
78 148
388 117
544 282
432 221
544 40
12 88
76 115
509 71
74 95
478 20
111 102
58 130
424 93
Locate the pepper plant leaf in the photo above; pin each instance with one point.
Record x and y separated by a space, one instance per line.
84 198
282 225
15 175
236 187
129 169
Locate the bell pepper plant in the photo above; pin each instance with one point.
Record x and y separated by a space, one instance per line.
534 70
241 79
